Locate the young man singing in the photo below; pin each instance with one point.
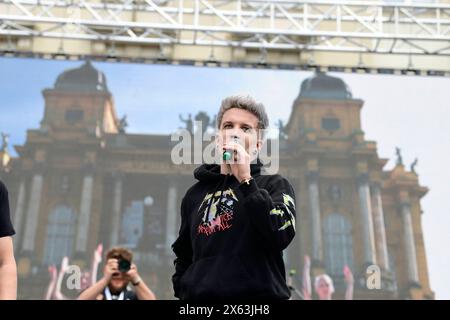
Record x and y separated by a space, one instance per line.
235 221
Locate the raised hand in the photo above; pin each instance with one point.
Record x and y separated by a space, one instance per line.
240 165
98 254
64 264
111 267
133 274
348 275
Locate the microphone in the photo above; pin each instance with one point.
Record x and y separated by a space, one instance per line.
228 153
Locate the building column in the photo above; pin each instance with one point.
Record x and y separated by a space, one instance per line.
366 219
18 214
85 213
32 216
314 210
172 211
117 210
409 244
379 227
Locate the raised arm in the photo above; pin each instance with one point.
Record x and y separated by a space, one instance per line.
272 210
52 284
348 275
91 293
95 262
142 291
307 278
57 293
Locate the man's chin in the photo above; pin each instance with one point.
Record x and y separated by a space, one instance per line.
117 285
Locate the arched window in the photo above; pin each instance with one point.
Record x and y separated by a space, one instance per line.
338 244
132 224
60 234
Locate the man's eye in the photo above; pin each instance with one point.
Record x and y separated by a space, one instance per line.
227 126
246 129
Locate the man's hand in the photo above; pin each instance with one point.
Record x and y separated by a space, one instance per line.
240 164
133 274
111 267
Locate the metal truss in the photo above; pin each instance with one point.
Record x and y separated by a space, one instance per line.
358 33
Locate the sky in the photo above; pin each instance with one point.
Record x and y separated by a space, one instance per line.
410 112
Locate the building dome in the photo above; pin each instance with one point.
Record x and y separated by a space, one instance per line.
84 79
323 86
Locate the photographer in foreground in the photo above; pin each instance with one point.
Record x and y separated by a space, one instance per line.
118 273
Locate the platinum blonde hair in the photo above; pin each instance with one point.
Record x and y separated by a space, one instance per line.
245 103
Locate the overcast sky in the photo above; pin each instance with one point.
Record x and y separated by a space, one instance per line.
410 112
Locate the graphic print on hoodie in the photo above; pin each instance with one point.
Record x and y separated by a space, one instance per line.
232 236
217 211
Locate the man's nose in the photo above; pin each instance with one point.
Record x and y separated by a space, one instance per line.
233 132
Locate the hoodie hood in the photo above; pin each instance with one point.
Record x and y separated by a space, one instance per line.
211 172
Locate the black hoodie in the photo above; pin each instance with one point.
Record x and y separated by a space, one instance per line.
232 236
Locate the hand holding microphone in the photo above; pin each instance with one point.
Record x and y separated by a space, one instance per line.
229 153
240 159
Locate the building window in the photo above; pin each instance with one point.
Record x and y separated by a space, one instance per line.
338 244
331 124
60 235
393 269
132 224
74 115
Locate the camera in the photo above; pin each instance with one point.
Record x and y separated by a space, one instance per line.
124 265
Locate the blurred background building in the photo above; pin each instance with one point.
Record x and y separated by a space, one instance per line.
80 179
